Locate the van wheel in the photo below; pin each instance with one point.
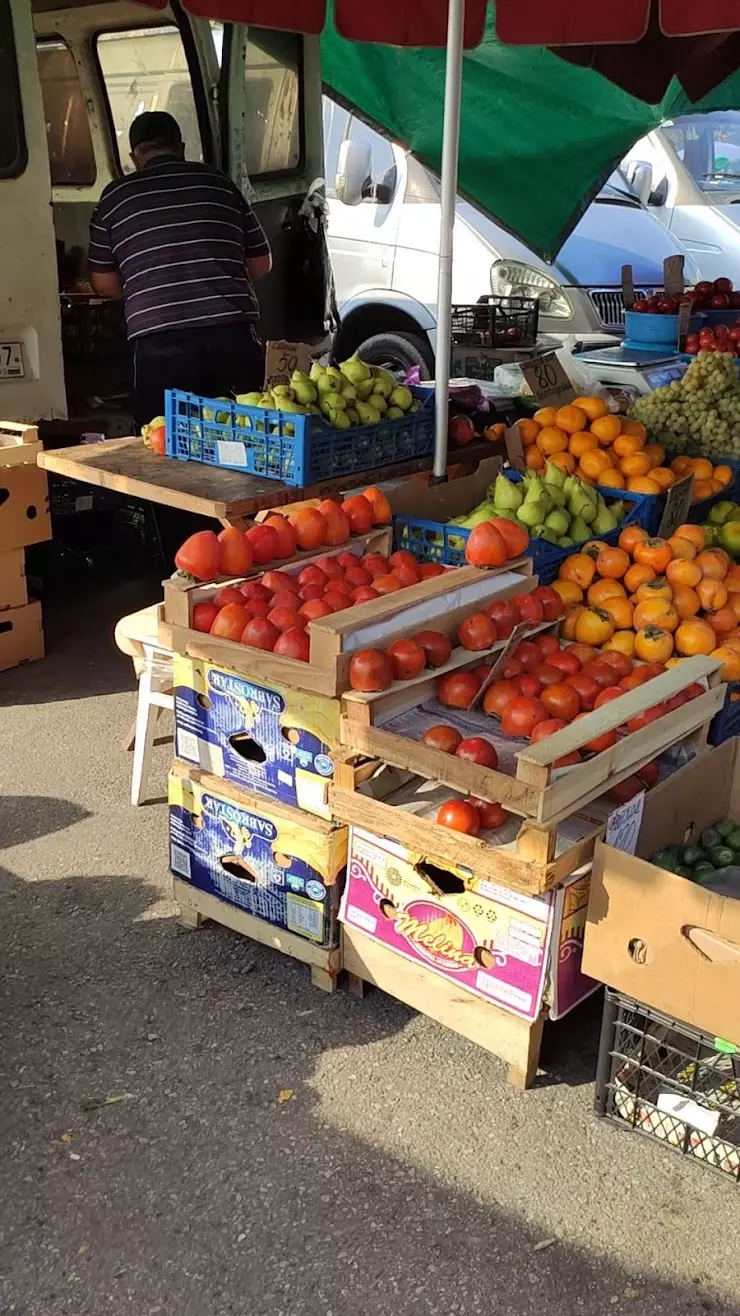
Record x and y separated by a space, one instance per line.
398 353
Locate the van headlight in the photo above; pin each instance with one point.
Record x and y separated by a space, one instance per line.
511 278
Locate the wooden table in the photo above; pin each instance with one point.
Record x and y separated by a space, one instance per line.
129 467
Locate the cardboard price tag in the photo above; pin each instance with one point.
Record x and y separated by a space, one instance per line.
628 287
677 504
517 634
548 381
623 824
282 358
673 280
514 448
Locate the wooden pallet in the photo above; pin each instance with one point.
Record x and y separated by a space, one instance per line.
197 907
513 1040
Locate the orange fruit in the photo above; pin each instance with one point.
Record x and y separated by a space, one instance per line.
627 444
601 590
724 474
607 429
533 458
692 532
701 489
685 601
701 469
732 580
681 465
582 442
655 453
593 407
722 621
595 463
662 476
571 419
634 427
637 575
635 464
579 567
658 588
568 624
713 562
631 535
593 626
545 416
528 431
552 439
730 660
642 484
653 645
656 612
680 571
565 461
623 642
569 592
694 636
612 480
682 547
712 594
620 610
612 563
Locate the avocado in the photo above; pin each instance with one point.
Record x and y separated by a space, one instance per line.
664 859
721 856
710 837
691 855
682 871
734 839
725 828
704 869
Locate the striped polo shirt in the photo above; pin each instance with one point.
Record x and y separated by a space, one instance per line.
178 233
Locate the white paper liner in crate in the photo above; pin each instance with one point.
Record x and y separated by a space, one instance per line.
416 617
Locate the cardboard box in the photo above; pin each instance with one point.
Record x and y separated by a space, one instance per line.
13 591
24 506
441 502
279 865
661 938
272 739
514 950
21 635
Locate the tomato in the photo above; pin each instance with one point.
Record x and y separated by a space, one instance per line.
259 633
548 728
314 608
277 581
286 619
461 816
337 522
491 816
477 632
486 547
442 737
505 616
356 576
647 716
204 615
285 598
235 553
561 701
598 743
256 608
311 592
606 696
528 685
229 594
293 644
583 652
405 565
529 609
230 622
428 570
312 575
527 654
649 773
547 644
359 512
375 564
285 533
199 556
550 601
254 589
457 689
521 716
310 528
565 661
511 669
586 687
477 750
157 440
621 664
382 510
626 790
436 646
264 543
497 697
370 670
387 584
602 673
408 659
364 594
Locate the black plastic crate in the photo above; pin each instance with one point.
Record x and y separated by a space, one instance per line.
670 1082
92 330
496 322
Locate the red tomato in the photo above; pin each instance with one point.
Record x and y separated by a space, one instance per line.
408 659
649 773
562 701
602 673
356 576
436 646
442 737
359 512
264 543
547 644
253 589
521 716
428 570
286 599
547 675
279 581
260 634
552 604
331 566
256 608
626 790
492 816
230 619
312 575
229 594
293 644
583 652
204 615
598 743
457 689
235 552
287 542
528 684
375 564
548 728
311 592
387 584
364 594
621 663
529 608
477 750
504 615
199 556
527 654
405 566
566 662
498 695
586 687
647 716
606 696
511 669
477 633
314 608
370 670
286 619
460 816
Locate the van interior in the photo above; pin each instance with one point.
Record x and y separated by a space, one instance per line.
248 101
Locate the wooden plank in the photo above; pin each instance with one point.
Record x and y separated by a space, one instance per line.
250 800
196 906
255 664
19 444
513 1040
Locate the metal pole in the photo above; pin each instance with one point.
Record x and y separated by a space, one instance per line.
448 198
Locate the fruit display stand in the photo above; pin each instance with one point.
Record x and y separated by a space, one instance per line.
24 520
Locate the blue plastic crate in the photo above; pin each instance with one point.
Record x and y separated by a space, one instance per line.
726 723
433 541
284 445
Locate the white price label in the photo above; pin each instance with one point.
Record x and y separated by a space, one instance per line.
623 824
11 361
231 454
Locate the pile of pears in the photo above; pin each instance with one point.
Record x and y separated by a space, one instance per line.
557 507
352 393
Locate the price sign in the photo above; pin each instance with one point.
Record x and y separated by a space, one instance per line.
514 448
623 824
677 504
282 358
628 287
517 634
673 280
548 381
684 315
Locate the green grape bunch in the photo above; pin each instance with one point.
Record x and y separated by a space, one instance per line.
698 414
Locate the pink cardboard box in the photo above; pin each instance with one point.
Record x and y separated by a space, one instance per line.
516 951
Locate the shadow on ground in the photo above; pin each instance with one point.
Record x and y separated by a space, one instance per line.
218 1184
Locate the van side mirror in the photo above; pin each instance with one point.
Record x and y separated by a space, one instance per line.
642 180
353 176
659 194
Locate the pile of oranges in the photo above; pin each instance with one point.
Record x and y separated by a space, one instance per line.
658 600
585 439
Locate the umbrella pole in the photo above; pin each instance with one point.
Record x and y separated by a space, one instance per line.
448 199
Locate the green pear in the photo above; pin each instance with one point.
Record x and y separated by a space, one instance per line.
535 492
579 530
378 401
365 388
316 372
299 377
402 397
554 475
313 410
340 420
250 399
559 522
603 522
304 392
332 402
334 373
283 391
557 496
367 413
383 383
354 419
348 391
267 400
394 413
161 420
355 370
326 383
288 404
507 495
565 541
532 513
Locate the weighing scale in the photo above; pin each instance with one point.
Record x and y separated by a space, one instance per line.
632 369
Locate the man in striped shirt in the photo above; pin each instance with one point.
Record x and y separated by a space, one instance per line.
183 248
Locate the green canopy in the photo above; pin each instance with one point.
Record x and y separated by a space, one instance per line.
538 136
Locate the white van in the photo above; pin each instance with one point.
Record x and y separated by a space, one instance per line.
384 217
72 77
688 174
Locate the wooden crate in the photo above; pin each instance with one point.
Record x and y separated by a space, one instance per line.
24 488
538 791
334 638
13 590
21 635
197 907
513 1040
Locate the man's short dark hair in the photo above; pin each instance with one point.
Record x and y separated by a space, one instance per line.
154 128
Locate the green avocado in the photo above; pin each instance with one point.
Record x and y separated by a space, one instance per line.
721 856
704 869
734 839
682 871
710 837
664 859
725 828
691 855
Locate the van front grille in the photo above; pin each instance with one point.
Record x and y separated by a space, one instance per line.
609 304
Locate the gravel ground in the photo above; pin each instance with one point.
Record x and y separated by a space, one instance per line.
403 1175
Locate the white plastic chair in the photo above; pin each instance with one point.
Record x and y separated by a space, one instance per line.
136 635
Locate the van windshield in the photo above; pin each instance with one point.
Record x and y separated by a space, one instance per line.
709 146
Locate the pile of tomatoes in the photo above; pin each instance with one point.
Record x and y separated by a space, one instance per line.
273 611
717 338
373 670
706 296
654 599
205 555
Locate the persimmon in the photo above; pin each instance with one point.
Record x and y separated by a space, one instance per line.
655 553
621 642
514 535
630 536
682 571
458 689
730 660
593 626
568 661
652 644
477 632
382 510
658 588
692 532
714 562
442 737
586 687
460 816
408 659
619 662
309 526
337 522
370 670
694 637
568 624
731 581
682 547
359 512
620 610
486 547
612 563
723 621
601 590
568 592
497 697
656 612
561 700
712 594
521 716
636 576
598 743
686 601
583 652
579 568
